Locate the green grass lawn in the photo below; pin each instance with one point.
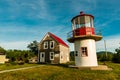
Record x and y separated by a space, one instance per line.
8 66
54 72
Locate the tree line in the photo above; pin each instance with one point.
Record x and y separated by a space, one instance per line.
21 55
114 57
25 55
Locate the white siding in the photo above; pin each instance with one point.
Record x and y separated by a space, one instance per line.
64 54
91 59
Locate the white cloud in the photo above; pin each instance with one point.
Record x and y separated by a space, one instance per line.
16 28
112 42
40 10
33 9
21 45
85 5
38 31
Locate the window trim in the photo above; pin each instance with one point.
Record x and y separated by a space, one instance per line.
51 54
45 43
51 44
84 51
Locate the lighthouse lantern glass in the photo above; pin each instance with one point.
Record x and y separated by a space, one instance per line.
88 21
82 21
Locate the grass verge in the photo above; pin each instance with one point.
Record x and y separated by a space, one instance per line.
58 72
8 66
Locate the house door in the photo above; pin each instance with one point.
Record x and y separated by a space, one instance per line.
42 57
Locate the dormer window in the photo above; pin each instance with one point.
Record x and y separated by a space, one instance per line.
51 44
45 45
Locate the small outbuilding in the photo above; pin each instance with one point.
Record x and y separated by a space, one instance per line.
3 58
33 60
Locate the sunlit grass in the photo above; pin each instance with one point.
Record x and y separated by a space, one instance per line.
8 66
57 72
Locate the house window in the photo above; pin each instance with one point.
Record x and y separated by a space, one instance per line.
51 55
51 44
84 51
45 45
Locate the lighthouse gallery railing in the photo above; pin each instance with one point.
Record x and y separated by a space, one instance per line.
73 33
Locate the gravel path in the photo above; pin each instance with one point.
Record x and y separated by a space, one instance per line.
19 69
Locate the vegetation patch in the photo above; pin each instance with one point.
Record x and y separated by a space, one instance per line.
57 72
9 66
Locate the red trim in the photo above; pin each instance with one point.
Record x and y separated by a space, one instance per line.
58 39
84 31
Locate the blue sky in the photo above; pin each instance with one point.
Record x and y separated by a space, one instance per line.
22 21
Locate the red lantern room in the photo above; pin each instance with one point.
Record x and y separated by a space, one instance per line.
83 27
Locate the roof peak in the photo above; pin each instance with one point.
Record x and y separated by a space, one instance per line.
59 40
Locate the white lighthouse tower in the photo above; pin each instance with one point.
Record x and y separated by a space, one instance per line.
83 36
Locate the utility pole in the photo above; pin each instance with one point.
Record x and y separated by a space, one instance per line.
105 48
38 53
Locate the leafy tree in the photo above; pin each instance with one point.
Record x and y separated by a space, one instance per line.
11 55
118 50
72 57
33 47
19 55
116 57
101 56
2 50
